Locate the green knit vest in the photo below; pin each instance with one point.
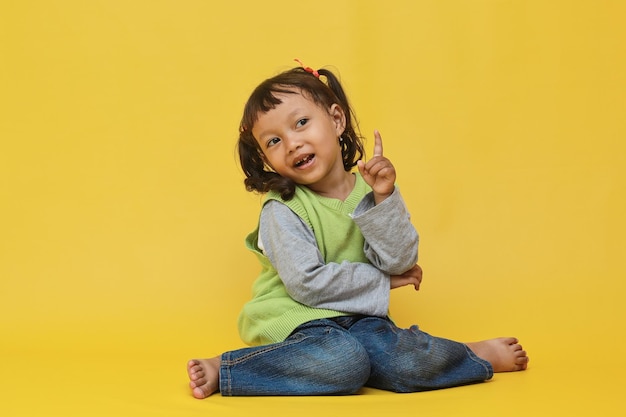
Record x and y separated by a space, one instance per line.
272 314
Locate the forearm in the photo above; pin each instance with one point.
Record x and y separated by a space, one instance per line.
391 240
349 287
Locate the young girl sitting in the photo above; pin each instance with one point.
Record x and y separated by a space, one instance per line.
332 243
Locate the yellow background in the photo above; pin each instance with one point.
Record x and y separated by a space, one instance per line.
122 210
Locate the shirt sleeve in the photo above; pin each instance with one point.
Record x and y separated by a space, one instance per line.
391 241
290 245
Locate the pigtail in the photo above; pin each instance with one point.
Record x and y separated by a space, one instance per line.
351 141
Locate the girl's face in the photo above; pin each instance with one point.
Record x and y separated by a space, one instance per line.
300 141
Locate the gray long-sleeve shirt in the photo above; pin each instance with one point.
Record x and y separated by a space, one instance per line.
361 288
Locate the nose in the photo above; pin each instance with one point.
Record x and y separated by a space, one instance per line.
294 143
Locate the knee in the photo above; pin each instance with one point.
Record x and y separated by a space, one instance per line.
347 365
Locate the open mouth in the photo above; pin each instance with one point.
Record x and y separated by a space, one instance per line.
304 161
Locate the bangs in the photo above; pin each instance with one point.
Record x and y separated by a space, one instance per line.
262 100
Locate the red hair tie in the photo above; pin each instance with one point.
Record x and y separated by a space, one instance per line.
308 69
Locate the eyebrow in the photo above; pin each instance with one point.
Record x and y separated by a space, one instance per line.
295 111
289 115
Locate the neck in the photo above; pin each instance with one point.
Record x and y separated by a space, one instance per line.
339 188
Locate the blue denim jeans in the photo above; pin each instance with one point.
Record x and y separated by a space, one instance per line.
339 356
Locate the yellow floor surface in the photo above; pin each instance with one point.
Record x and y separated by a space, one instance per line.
155 385
38 383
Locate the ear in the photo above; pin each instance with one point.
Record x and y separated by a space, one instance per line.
339 118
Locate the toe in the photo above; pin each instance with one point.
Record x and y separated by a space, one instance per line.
197 373
521 362
196 370
516 347
197 382
511 340
202 391
199 393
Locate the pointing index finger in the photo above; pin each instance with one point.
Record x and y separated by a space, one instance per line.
378 144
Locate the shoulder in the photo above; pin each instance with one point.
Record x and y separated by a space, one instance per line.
277 214
300 204
278 222
275 208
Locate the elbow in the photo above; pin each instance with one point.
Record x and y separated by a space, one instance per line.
398 266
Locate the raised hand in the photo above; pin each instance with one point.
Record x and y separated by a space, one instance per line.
378 172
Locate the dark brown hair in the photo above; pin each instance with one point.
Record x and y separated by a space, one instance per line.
261 178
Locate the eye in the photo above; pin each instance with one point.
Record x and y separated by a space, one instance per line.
272 142
302 122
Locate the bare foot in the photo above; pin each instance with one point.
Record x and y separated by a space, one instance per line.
504 353
204 376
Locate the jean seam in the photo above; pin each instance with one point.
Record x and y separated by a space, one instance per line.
269 348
